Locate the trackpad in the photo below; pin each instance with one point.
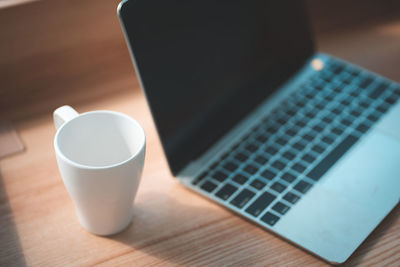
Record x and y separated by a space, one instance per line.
369 174
339 212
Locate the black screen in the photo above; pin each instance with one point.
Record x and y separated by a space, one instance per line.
205 64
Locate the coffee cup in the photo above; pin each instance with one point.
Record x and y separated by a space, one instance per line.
100 155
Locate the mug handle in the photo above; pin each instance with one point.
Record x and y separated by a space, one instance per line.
63 114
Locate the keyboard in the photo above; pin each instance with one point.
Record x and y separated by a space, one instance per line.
280 159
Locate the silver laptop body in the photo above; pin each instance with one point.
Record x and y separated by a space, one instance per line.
340 210
323 184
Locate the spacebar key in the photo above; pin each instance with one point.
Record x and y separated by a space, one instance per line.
332 157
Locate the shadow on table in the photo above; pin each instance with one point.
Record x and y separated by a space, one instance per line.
189 233
11 253
184 234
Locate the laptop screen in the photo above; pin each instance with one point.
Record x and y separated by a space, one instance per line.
205 65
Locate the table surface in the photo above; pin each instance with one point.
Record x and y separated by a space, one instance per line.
171 225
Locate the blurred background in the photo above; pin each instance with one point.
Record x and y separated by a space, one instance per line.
54 52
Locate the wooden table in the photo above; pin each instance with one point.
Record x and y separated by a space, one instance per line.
171 225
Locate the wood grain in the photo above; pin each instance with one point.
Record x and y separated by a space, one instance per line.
10 142
53 47
172 226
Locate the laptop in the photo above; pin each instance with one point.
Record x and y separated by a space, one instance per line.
250 116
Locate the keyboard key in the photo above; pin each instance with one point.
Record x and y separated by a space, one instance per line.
288 177
278 165
356 112
319 106
309 136
366 82
242 198
269 175
337 89
298 167
328 139
281 141
310 95
337 130
241 157
302 186
318 87
262 138
220 176
240 179
278 187
301 123
257 184
280 208
397 91
329 97
322 167
347 80
346 122
271 150
378 91
336 111
260 204
208 186
382 108
356 92
291 198
251 169
308 158
251 148
345 102
328 118
336 68
373 117
299 145
272 129
391 99
261 160
318 128
364 104
362 128
255 128
270 219
327 79
230 166
289 155
291 112
346 77
300 104
282 120
291 132
354 72
226 191
200 178
317 148
310 114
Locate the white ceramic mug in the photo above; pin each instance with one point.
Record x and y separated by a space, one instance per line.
100 155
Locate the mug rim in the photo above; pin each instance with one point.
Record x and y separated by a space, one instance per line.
88 167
